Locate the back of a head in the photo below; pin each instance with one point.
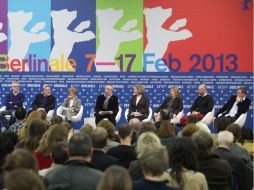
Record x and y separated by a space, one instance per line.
164 114
80 144
60 153
192 119
154 160
37 128
166 129
86 128
20 113
23 179
115 178
6 147
20 158
225 138
183 155
147 127
203 142
235 129
124 131
99 137
109 127
189 130
56 119
146 139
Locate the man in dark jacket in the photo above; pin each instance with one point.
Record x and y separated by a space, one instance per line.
77 172
234 107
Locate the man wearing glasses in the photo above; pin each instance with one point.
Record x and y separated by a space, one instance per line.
13 100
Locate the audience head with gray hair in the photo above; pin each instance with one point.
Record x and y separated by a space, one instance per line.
225 139
203 142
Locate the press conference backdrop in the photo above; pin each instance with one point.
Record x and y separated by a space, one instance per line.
87 43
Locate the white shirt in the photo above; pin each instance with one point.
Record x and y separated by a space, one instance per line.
71 103
138 98
234 109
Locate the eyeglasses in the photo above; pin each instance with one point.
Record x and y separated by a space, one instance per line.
15 86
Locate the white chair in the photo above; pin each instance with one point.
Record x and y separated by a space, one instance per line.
50 115
241 119
208 118
149 118
75 118
176 120
119 113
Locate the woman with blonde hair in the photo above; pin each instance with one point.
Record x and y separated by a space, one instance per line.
115 178
139 104
144 140
173 104
53 135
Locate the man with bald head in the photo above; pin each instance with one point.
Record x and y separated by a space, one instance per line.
202 105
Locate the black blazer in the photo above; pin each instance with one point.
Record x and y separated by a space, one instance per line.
142 106
243 106
203 104
49 103
112 104
239 169
176 106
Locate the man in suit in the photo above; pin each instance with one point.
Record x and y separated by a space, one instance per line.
240 171
202 105
234 107
71 105
13 100
45 101
106 106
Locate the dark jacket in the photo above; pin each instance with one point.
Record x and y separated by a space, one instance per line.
142 106
243 106
203 104
48 103
17 101
112 104
217 172
102 161
239 169
75 174
176 106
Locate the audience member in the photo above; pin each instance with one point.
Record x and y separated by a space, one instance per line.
124 152
237 149
87 129
53 135
111 130
106 106
139 104
239 169
237 104
35 132
23 179
184 165
217 171
115 178
202 105
77 172
189 130
145 139
100 160
13 100
56 119
59 156
20 115
154 161
167 134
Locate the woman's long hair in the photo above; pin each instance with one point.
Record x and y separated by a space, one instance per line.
182 156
